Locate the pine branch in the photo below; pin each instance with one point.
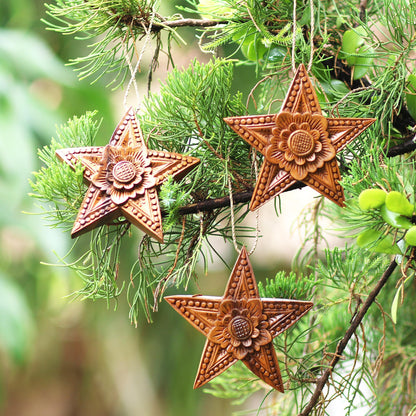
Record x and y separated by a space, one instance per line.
342 344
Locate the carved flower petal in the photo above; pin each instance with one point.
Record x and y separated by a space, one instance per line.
255 307
235 342
315 134
300 160
264 337
226 306
240 352
272 153
276 131
283 120
319 122
298 172
247 342
100 179
245 312
118 197
289 156
141 159
216 335
256 333
293 127
328 152
311 157
305 126
300 118
285 133
282 145
118 185
318 147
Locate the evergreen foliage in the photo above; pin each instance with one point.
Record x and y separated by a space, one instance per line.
362 59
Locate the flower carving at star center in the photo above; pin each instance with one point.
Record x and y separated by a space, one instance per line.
124 173
241 327
300 143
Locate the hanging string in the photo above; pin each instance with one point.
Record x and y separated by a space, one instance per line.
311 34
133 71
312 9
232 216
294 37
254 165
230 190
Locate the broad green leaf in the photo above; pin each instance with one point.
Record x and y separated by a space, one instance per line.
395 305
371 198
367 237
394 219
351 42
398 202
411 95
410 236
375 241
363 63
355 52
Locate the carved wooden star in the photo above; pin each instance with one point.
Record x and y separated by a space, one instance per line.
240 325
123 178
298 144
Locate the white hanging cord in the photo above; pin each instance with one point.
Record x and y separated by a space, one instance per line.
133 71
254 165
232 216
311 6
311 34
294 37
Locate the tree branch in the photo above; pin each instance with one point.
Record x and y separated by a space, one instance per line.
321 382
186 23
405 147
238 197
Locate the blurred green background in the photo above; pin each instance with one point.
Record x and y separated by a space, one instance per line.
61 357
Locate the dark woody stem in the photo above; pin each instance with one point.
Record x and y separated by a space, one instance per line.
342 344
238 198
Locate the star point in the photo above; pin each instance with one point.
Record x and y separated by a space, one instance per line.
298 143
122 178
240 326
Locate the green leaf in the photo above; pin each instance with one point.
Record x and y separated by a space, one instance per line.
363 62
397 202
395 305
410 236
411 95
351 42
394 219
374 240
371 198
355 52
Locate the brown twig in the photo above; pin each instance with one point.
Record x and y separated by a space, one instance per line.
405 147
188 23
363 7
238 198
321 382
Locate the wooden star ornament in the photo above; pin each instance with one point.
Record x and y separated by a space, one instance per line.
240 325
123 178
298 143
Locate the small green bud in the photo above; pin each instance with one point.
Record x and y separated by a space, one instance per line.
397 202
410 236
371 198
